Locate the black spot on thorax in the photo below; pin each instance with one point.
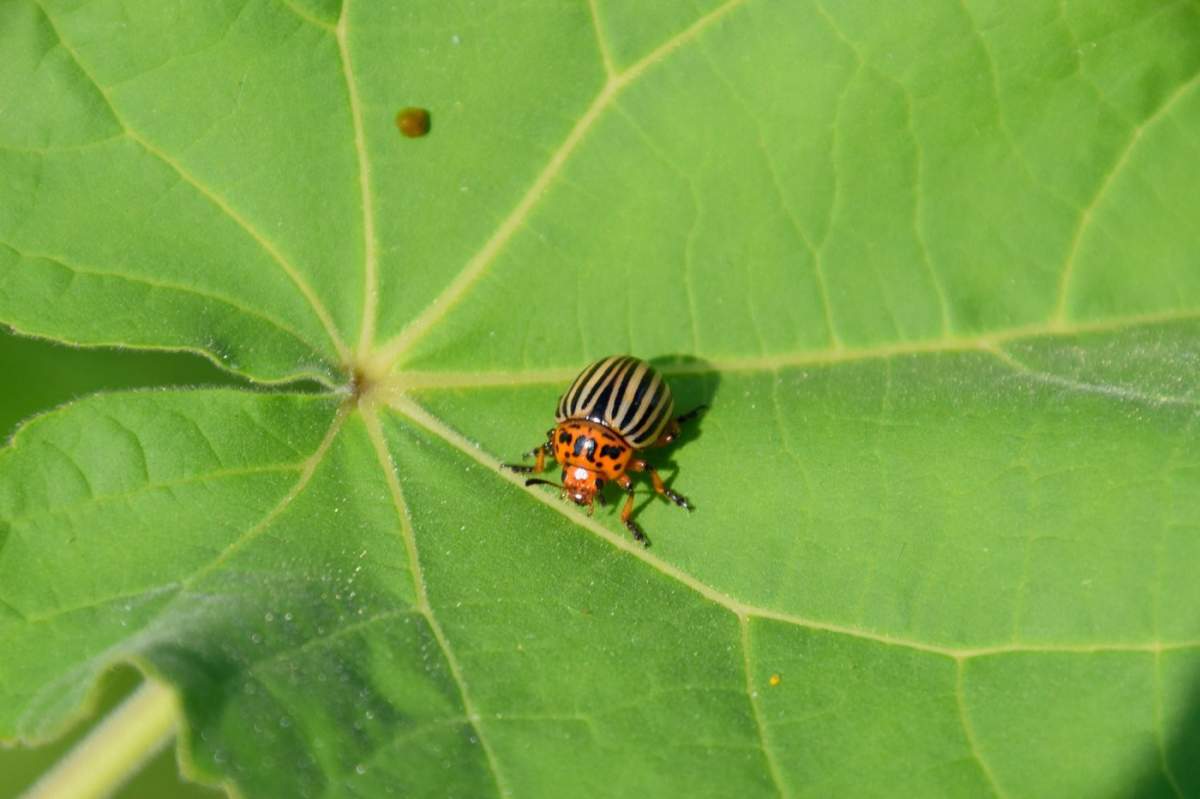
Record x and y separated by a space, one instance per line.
586 447
611 451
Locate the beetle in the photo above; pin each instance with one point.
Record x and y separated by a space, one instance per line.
616 407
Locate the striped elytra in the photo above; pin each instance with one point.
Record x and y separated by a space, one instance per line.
622 393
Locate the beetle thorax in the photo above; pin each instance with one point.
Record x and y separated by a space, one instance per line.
582 444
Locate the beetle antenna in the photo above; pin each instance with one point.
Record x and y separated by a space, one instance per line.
535 481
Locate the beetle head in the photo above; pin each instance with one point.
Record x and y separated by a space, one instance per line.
580 485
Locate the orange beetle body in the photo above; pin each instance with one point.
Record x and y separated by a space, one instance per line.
614 408
591 455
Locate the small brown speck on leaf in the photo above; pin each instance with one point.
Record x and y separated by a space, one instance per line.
413 122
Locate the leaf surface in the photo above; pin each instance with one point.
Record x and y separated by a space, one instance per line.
932 270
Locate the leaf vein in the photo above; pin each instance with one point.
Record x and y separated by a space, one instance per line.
789 212
132 435
1087 214
379 442
393 350
370 239
601 43
307 17
1071 384
165 285
1010 140
985 343
1159 736
918 221
835 194
64 148
307 469
969 732
759 723
149 487
400 737
217 200
421 417
332 635
140 594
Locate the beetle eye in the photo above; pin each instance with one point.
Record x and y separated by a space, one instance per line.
599 482
563 476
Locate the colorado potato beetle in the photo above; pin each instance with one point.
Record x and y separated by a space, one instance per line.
616 406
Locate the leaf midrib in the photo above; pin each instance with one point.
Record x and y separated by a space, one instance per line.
366 334
389 353
423 605
382 358
166 285
992 343
432 424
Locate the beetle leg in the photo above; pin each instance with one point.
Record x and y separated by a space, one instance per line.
637 465
692 414
539 465
669 434
627 510
671 431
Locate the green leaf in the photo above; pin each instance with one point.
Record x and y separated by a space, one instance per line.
932 268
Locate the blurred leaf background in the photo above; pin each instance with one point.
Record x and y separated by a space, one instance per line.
40 375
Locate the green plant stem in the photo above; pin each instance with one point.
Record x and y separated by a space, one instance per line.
115 750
